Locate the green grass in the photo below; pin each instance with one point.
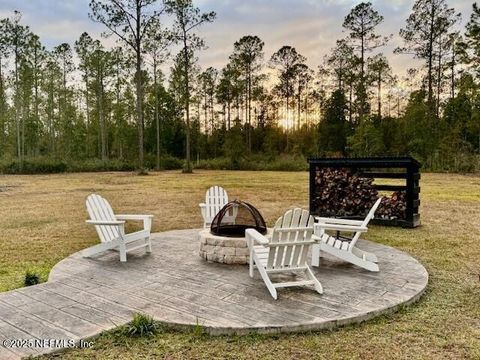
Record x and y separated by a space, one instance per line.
42 222
141 325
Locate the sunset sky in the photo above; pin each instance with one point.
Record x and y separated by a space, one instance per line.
312 26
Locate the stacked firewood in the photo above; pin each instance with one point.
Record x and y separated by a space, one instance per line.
340 192
344 193
393 207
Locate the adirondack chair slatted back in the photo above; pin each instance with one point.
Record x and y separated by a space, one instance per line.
215 199
99 209
291 250
365 222
371 213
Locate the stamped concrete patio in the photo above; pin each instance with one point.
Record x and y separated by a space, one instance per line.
84 297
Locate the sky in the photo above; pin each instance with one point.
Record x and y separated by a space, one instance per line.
311 26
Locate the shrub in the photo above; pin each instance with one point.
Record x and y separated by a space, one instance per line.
31 278
287 163
256 163
33 166
96 165
167 162
52 166
213 164
141 325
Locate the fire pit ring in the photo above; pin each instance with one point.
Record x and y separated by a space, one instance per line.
224 242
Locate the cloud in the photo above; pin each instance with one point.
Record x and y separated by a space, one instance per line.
312 26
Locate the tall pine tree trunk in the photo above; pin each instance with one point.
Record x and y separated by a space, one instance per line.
430 58
228 118
205 111
439 78
379 97
2 110
299 110
188 168
363 92
249 109
17 105
212 121
87 103
101 116
139 88
157 120
452 72
288 115
350 106
139 108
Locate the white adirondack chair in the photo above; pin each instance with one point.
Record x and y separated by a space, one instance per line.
344 249
110 229
215 199
285 252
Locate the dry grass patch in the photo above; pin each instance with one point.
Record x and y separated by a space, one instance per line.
42 222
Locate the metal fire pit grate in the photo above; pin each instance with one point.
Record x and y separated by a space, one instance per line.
236 217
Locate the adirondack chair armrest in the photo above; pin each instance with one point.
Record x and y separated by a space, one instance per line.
339 227
316 238
106 222
252 236
147 219
326 220
203 209
133 217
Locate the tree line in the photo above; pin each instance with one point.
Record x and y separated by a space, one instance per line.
85 101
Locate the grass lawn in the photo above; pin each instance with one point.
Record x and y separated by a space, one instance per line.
42 222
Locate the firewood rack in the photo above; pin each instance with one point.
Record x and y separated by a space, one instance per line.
406 168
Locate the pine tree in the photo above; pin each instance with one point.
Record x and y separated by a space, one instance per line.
16 36
247 57
129 20
429 21
226 90
380 73
469 49
361 22
4 52
156 47
286 60
84 49
187 19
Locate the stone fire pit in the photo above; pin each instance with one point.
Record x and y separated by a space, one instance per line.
224 242
222 249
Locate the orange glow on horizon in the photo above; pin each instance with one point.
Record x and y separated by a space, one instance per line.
286 123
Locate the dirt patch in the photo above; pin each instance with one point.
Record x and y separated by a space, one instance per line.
5 188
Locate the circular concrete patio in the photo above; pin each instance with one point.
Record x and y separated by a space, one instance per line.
176 286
